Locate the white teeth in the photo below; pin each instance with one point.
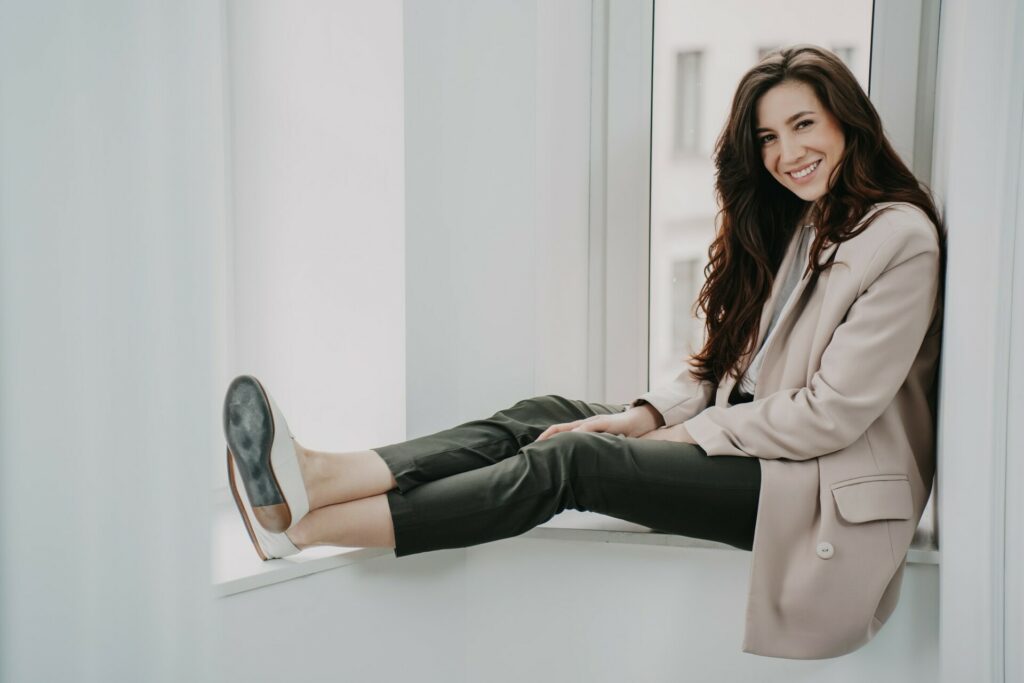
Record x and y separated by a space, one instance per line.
807 170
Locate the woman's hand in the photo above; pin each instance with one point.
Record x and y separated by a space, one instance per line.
633 422
677 433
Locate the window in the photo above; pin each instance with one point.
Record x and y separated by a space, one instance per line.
692 87
688 105
846 54
687 334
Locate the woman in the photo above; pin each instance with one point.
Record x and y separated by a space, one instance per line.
823 313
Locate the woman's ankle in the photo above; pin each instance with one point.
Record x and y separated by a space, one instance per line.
309 468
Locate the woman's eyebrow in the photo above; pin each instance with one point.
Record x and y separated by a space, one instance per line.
791 119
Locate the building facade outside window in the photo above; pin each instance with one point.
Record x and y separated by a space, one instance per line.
700 52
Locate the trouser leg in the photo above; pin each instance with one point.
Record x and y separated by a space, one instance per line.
667 486
480 443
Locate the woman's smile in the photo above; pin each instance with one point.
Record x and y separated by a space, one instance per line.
804 173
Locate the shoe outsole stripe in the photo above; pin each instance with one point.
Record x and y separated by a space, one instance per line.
241 508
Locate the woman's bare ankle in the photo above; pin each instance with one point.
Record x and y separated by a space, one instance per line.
309 468
296 537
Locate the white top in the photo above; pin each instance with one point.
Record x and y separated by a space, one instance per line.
749 379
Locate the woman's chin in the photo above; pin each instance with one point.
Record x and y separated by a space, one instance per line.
811 193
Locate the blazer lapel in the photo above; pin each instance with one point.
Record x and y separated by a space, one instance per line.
805 279
769 306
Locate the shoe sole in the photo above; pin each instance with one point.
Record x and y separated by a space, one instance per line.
241 508
249 430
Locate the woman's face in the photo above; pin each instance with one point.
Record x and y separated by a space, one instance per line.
801 141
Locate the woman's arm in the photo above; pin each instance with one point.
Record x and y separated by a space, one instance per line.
677 433
678 400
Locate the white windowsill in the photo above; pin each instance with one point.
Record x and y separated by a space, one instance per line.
237 568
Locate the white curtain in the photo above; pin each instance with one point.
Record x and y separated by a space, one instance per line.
112 212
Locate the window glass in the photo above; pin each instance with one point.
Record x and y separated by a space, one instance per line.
700 53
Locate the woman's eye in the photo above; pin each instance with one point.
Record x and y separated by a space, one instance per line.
765 139
801 124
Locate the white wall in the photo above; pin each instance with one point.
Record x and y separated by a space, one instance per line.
111 237
541 610
548 611
318 274
979 166
497 149
377 621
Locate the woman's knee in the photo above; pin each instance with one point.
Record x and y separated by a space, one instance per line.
571 452
568 465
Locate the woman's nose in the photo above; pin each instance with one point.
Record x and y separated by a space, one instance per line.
791 150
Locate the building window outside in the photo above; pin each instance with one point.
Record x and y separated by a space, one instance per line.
688 103
687 279
846 54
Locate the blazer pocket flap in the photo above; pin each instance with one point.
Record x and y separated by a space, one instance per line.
885 496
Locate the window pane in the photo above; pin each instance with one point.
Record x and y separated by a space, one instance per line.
688 104
700 52
845 53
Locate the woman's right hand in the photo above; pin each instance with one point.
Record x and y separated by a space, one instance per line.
636 421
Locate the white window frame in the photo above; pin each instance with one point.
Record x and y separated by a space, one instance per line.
620 188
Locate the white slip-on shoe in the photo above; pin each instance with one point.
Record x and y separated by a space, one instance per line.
268 545
264 453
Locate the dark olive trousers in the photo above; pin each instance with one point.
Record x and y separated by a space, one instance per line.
490 479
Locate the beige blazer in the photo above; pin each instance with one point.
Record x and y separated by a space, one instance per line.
843 424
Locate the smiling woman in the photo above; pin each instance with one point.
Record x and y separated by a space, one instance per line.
802 142
843 378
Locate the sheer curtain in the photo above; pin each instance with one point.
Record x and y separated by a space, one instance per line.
112 212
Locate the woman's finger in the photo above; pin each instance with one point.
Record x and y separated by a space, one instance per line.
594 423
555 429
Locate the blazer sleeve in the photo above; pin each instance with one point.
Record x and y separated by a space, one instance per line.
866 361
680 399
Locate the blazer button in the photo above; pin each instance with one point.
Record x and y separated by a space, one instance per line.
825 550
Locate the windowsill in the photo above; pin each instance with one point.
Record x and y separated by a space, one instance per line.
237 568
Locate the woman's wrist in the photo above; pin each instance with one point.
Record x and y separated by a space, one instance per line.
653 419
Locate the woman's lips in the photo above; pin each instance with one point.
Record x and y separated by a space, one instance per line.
800 180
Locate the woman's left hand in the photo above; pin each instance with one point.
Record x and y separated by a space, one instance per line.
675 433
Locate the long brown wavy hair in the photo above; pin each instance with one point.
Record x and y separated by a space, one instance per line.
758 216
